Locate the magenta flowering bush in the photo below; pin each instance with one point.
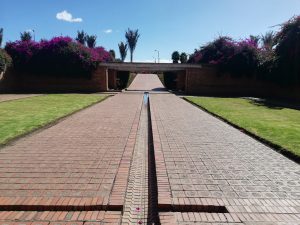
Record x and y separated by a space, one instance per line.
22 52
58 56
238 58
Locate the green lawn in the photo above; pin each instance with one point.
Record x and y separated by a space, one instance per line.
19 117
279 125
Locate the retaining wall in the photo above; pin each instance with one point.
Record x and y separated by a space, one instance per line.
16 82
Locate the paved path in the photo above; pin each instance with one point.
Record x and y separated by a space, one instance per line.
96 167
206 163
81 163
8 97
146 82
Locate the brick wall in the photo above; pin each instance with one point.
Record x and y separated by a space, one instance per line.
18 82
207 81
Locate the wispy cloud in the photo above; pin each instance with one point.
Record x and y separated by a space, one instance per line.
108 31
66 16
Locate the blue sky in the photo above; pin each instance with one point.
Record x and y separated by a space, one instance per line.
165 25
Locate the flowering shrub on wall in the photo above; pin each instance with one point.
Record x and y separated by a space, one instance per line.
287 52
238 58
58 56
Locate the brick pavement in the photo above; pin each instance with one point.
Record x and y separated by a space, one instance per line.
146 82
8 97
91 168
81 163
204 164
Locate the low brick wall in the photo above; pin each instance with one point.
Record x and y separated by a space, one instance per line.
207 81
13 82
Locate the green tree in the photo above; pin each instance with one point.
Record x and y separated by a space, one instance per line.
25 36
81 37
183 57
91 40
1 36
123 50
175 56
112 54
268 40
132 37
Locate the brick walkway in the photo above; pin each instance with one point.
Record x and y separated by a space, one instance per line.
8 97
96 167
204 164
146 82
82 163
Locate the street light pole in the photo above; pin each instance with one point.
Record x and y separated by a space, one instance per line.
157 55
33 31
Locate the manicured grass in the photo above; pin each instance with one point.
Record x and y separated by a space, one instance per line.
278 125
19 117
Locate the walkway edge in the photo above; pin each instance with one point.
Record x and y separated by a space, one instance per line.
275 147
50 124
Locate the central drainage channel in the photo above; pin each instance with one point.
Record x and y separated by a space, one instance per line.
141 195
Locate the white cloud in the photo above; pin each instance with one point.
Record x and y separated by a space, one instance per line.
66 16
108 31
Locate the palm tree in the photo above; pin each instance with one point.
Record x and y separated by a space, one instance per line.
91 40
26 36
183 57
175 56
123 50
268 40
81 36
254 38
1 36
132 37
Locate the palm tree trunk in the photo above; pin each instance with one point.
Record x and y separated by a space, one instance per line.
131 56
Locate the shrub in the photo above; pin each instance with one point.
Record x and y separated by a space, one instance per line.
245 59
22 52
5 60
238 58
58 56
287 51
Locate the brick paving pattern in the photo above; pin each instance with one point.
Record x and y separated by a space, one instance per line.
8 97
205 163
82 162
92 168
136 203
59 217
146 82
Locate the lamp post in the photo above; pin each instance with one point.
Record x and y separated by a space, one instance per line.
33 31
157 55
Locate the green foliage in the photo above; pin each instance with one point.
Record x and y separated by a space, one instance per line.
132 37
91 40
175 56
268 40
1 36
123 50
183 57
5 60
112 54
26 36
81 37
288 52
